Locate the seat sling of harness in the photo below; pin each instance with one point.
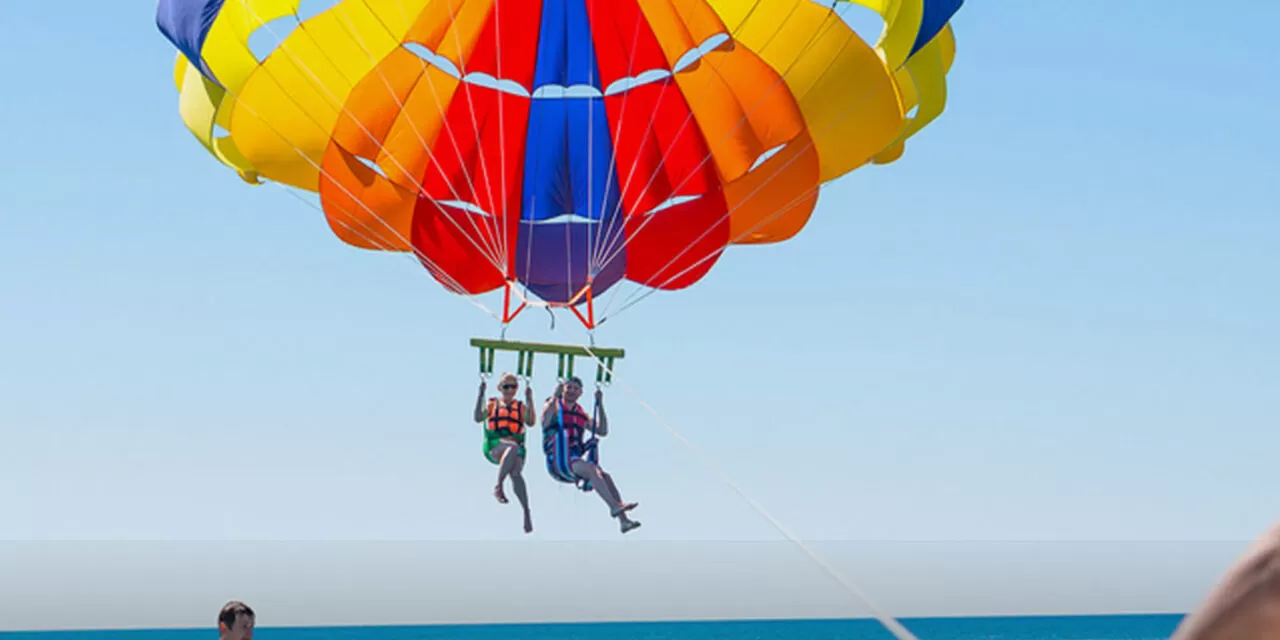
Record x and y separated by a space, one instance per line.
558 462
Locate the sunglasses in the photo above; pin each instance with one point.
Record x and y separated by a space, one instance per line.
509 386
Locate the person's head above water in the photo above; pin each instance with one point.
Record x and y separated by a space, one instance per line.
235 621
508 384
572 389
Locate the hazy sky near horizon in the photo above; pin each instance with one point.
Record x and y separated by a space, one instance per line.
95 585
1055 318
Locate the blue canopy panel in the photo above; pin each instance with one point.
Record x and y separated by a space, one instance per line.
566 207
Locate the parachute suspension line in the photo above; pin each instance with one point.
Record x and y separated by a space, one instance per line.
440 273
611 253
434 268
494 248
500 213
588 320
689 117
430 264
484 165
380 244
568 254
533 211
584 293
596 246
348 25
829 22
599 253
591 148
568 228
900 632
494 259
449 280
628 302
602 231
493 220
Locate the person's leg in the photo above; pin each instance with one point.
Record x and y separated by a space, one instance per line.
505 453
591 473
517 483
622 506
618 505
607 490
620 512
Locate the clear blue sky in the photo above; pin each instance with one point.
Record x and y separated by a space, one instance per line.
1056 318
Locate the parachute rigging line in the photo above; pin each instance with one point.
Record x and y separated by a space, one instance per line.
491 251
827 25
778 211
416 252
472 298
888 620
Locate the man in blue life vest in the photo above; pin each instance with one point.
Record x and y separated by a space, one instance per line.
564 425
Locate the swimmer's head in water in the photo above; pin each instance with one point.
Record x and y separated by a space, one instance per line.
235 621
572 389
508 384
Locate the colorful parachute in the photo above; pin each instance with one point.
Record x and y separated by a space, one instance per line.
563 145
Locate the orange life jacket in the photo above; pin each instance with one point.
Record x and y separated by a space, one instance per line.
506 421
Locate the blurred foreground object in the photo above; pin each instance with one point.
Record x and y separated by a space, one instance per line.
1245 604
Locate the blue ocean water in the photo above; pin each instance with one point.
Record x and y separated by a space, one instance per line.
1124 627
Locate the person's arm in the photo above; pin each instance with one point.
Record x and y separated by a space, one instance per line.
602 425
547 408
1246 603
481 411
550 404
529 417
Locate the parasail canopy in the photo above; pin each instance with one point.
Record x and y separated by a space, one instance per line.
558 146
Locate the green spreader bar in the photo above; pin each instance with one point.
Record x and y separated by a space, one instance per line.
566 354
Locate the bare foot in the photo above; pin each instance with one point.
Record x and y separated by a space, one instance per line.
624 508
497 493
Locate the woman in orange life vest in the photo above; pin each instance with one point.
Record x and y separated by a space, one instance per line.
504 436
566 456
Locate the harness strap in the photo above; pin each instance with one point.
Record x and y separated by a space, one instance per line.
593 445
